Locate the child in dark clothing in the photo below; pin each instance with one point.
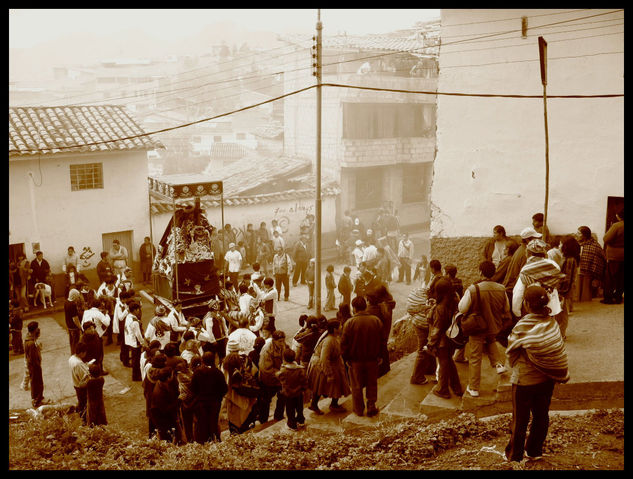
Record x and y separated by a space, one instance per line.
96 406
15 326
451 272
294 383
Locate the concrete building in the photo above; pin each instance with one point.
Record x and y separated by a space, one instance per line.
490 163
85 196
380 145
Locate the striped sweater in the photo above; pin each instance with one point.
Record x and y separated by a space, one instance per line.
539 337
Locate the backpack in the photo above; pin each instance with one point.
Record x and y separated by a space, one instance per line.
243 381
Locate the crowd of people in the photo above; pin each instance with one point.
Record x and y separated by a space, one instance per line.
234 357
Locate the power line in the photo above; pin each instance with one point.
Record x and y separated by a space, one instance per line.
532 27
534 60
487 95
514 18
465 40
499 47
393 90
149 90
168 93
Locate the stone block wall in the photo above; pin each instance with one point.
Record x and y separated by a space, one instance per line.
464 252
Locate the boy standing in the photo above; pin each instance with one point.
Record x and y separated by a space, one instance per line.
345 286
294 383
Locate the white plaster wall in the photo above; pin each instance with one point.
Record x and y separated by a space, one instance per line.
490 162
288 213
57 217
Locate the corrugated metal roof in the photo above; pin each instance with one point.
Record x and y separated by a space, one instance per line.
56 129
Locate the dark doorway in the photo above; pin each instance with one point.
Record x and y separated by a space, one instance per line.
614 205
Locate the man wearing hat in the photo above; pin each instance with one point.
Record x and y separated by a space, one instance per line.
541 270
518 260
233 260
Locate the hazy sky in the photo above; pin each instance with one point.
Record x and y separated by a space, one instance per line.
28 27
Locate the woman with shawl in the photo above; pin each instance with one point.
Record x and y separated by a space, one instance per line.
536 353
326 370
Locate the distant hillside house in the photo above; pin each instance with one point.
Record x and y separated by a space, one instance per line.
83 196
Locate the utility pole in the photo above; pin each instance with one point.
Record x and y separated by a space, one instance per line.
317 266
542 50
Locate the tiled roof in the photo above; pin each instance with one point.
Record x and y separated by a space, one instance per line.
269 131
411 44
228 151
161 207
49 130
243 176
248 173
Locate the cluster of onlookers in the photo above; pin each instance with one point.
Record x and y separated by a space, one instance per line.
524 296
234 358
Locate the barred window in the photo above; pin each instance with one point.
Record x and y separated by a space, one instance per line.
86 176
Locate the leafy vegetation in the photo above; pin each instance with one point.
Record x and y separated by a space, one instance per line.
62 442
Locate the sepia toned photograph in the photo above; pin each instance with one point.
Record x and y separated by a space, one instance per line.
316 239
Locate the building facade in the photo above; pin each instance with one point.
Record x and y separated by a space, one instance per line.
83 197
379 145
490 163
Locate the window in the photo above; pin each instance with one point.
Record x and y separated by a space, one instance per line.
217 139
240 136
415 179
368 188
387 120
87 176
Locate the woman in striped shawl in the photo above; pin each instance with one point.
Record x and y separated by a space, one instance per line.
536 353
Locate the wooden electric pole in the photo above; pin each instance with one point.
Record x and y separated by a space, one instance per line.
317 266
542 50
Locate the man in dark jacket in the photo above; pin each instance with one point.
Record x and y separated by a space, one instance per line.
300 256
33 358
361 345
381 305
208 386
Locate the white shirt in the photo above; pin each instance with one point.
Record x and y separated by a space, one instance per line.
405 249
245 338
179 319
278 242
120 313
150 333
245 302
371 252
268 295
358 255
79 371
101 321
133 336
234 258
105 291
